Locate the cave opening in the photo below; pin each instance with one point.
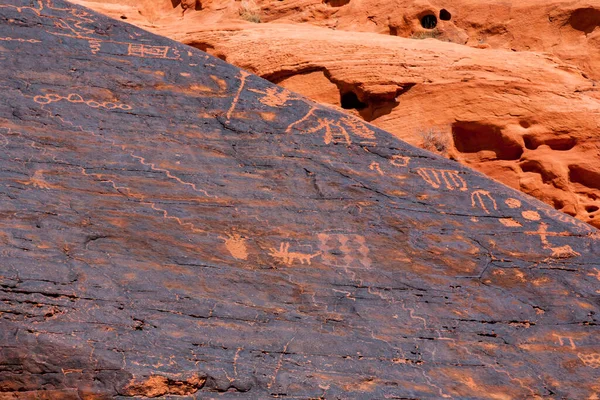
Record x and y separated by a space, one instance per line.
429 21
350 101
445 15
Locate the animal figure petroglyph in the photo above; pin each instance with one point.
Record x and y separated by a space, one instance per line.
436 177
274 97
289 257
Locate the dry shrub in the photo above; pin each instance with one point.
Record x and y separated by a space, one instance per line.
434 140
250 11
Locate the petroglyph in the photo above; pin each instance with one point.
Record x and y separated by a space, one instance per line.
146 51
336 132
38 181
591 360
480 197
562 217
595 274
565 251
513 203
236 98
375 167
274 97
3 138
288 257
9 39
531 215
344 250
399 161
438 177
509 222
236 245
76 98
562 339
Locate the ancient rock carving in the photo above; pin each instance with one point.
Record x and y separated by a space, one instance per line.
344 250
274 97
510 222
9 39
336 132
513 203
479 197
438 177
243 76
144 50
76 98
399 161
531 215
38 181
288 257
565 251
236 245
375 167
591 360
562 339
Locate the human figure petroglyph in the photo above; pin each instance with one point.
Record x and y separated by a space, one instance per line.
288 257
345 250
76 98
480 197
565 251
438 177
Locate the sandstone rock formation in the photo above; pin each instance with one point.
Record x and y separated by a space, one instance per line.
172 225
529 120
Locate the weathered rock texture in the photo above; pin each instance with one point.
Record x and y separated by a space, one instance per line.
174 226
529 120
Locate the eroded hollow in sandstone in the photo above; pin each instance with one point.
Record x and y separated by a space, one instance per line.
445 15
473 137
350 101
429 21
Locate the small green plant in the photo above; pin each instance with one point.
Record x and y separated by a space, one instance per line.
434 140
428 34
250 11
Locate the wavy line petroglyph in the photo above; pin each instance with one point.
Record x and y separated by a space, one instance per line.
9 39
76 98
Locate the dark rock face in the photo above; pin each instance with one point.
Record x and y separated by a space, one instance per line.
173 226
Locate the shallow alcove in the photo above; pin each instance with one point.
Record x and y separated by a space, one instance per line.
585 19
429 21
350 101
336 3
445 15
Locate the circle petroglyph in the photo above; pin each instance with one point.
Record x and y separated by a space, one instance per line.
531 215
513 203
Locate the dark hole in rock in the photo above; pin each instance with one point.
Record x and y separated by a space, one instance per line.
336 3
532 142
123 17
585 19
429 21
536 167
584 176
591 209
445 15
473 137
350 101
